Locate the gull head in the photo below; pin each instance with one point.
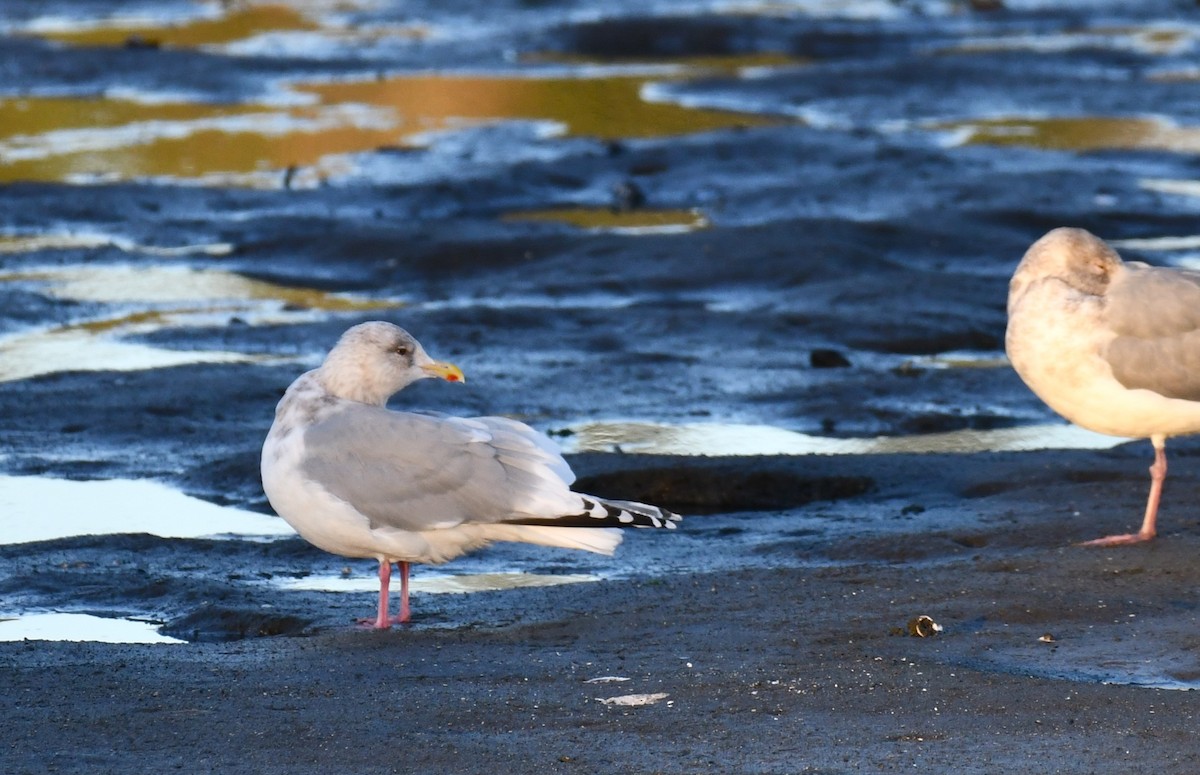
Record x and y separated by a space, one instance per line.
1075 257
373 360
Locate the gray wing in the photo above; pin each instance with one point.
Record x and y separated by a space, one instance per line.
421 472
1155 313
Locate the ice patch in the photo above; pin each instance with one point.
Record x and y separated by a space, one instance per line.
43 509
80 627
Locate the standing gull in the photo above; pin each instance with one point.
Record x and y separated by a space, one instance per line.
1109 345
360 480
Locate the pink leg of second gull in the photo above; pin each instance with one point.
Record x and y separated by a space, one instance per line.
381 621
1158 473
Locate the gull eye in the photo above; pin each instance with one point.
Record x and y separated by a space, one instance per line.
401 350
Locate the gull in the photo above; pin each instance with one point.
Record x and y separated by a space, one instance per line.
358 479
1110 345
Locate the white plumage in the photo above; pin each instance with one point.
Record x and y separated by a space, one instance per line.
357 479
1111 346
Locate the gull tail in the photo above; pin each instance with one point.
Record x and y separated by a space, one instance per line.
599 512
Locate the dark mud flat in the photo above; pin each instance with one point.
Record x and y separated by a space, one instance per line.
791 657
862 211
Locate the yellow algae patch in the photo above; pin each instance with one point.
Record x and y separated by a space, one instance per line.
23 117
238 23
621 222
79 139
63 138
1087 133
607 107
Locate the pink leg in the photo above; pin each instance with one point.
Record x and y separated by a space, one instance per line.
1158 473
381 621
405 614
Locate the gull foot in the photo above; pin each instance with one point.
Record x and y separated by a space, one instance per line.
1118 540
378 624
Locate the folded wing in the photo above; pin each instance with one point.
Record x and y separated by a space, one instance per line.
421 472
1155 314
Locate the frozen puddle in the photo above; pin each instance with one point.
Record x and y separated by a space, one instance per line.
717 439
1072 133
439 584
78 349
40 509
29 243
80 627
1161 39
146 299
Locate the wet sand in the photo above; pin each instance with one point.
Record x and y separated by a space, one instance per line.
826 251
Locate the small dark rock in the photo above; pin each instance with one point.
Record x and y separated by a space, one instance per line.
827 359
138 43
627 196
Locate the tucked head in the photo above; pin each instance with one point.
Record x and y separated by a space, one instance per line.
1074 256
373 360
